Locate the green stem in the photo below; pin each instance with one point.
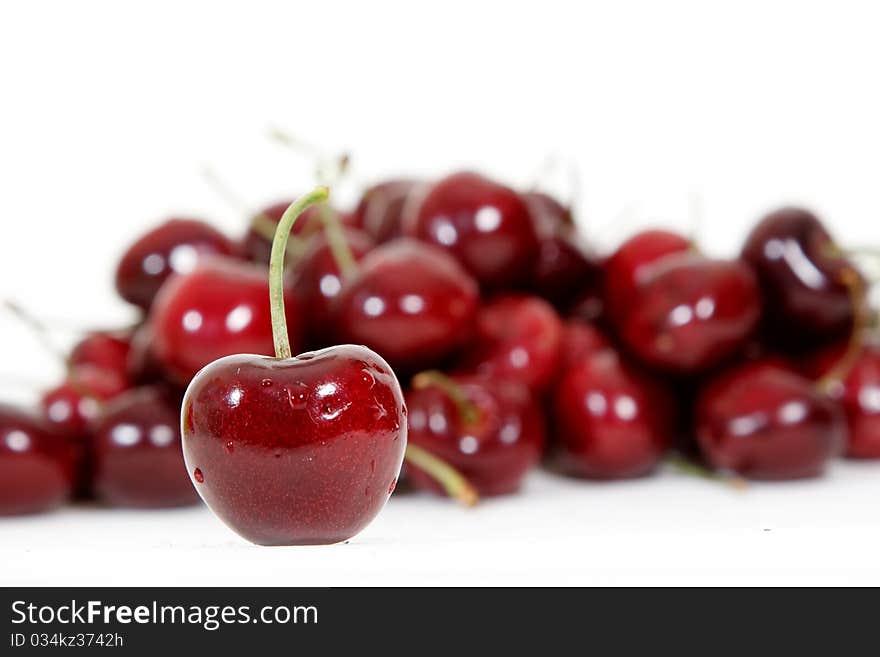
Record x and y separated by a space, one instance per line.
452 481
38 327
338 243
276 267
688 467
467 410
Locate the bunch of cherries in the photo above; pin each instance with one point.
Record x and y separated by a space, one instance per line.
515 345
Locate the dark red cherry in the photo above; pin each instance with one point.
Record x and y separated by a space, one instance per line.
135 449
859 394
485 225
142 367
611 421
491 431
36 468
296 451
763 421
380 211
104 350
317 282
518 337
172 247
411 302
257 242
625 269
548 214
579 341
218 309
691 313
803 280
70 407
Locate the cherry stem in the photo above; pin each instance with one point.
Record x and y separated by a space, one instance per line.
339 246
276 267
38 327
689 467
861 325
329 169
467 410
452 481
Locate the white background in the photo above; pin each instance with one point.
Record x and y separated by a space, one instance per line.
110 112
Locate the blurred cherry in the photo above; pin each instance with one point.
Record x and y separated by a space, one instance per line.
491 431
764 421
484 224
172 247
105 350
380 211
579 341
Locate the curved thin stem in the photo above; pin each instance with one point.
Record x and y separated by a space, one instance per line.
338 243
467 410
452 481
688 467
276 267
38 327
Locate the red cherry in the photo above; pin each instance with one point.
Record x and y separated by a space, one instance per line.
487 226
518 337
291 451
71 406
36 470
580 340
218 309
804 282
766 422
172 247
627 267
611 421
491 431
136 452
691 313
859 394
381 208
409 301
105 350
317 281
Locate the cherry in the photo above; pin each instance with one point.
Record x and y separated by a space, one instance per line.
579 341
690 313
36 471
858 391
142 366
807 285
71 406
172 247
764 421
484 224
136 452
630 264
518 337
381 208
491 431
104 350
611 420
291 451
318 279
411 302
218 309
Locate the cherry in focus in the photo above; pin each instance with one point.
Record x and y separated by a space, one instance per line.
36 466
764 421
173 247
491 431
411 302
135 450
484 224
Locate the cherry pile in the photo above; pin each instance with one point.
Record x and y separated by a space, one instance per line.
516 344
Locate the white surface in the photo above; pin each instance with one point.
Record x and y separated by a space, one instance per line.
109 112
667 530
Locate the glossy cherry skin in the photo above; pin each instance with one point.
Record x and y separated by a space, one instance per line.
859 394
411 302
484 224
298 451
257 245
317 282
380 211
173 247
495 451
36 468
611 421
763 421
691 313
627 267
579 341
135 449
518 337
802 280
104 350
220 308
72 405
